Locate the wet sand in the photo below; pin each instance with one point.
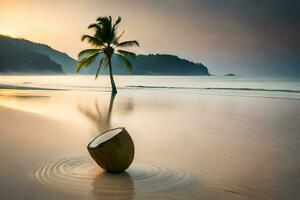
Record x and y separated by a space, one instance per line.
189 145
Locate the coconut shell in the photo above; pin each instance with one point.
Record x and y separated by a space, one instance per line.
114 154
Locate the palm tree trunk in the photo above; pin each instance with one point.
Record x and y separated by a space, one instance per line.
113 85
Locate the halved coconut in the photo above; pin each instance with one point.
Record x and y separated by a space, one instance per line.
112 150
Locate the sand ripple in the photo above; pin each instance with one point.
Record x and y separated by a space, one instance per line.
80 175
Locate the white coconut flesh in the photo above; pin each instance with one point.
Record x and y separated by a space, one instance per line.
104 137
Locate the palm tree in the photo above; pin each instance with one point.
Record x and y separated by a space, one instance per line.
106 44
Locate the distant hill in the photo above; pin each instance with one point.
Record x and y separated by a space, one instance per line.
162 64
152 64
17 58
63 59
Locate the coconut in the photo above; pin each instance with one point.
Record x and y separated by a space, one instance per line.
112 150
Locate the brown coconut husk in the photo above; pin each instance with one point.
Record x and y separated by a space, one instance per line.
114 154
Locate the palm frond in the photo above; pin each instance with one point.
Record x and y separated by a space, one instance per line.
97 73
118 21
102 61
87 52
127 54
125 61
104 20
128 43
105 23
115 25
86 61
96 26
93 40
116 40
105 32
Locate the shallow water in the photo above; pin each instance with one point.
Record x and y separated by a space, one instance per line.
190 143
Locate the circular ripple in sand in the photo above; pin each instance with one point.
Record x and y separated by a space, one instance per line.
80 175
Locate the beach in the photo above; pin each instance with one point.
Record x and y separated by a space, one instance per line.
195 137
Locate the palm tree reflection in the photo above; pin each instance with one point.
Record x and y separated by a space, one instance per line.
98 117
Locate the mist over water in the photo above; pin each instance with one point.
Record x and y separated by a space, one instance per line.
237 140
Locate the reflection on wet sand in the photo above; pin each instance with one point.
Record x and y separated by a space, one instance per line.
23 96
113 186
100 120
10 94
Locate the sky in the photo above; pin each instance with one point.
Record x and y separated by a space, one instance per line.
246 37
